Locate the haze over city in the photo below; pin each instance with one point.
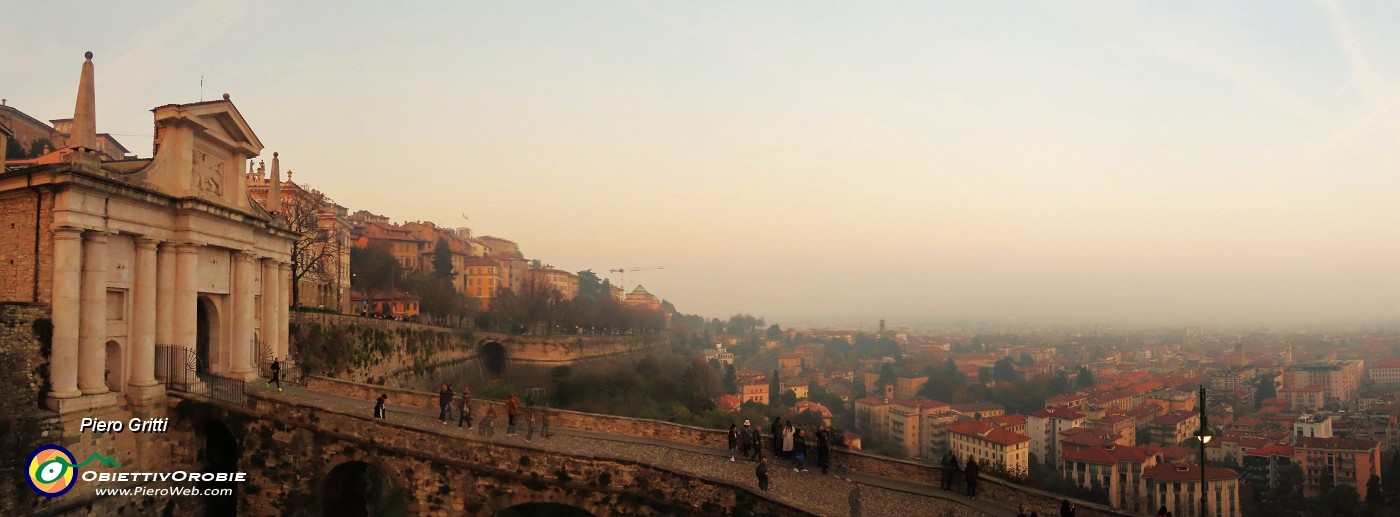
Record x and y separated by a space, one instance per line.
1066 162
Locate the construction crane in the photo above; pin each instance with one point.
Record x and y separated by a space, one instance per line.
624 271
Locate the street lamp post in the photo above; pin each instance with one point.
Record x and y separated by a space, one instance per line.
1204 435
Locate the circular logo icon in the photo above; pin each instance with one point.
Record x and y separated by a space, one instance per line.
51 471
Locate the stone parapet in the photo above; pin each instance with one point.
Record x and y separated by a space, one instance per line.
905 470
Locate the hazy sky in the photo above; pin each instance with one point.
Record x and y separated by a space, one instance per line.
1155 162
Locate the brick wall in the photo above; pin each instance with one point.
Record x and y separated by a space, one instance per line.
18 222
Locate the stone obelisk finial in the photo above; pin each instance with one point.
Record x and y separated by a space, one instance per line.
274 193
84 130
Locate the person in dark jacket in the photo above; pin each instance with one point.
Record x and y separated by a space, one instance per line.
379 406
761 471
755 444
744 440
777 438
464 408
276 374
1067 508
823 448
950 469
733 440
444 403
799 450
971 474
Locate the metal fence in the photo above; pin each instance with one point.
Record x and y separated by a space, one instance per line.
178 369
292 372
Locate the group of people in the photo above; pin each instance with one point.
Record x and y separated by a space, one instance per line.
515 413
970 473
788 442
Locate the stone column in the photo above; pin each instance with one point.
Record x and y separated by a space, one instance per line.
186 312
241 365
284 295
270 314
92 329
143 315
67 281
165 308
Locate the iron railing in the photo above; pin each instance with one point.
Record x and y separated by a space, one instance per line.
292 372
178 369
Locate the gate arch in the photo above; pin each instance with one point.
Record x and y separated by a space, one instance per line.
359 489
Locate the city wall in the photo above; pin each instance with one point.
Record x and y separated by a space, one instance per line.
373 350
991 488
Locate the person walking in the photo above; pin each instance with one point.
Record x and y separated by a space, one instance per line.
1067 509
854 499
755 444
464 408
761 471
544 421
823 448
799 450
276 374
488 426
787 439
777 429
529 424
971 474
444 403
733 440
512 410
379 406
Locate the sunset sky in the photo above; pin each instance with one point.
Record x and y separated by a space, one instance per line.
1173 163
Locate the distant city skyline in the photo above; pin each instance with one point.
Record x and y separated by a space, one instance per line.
1063 163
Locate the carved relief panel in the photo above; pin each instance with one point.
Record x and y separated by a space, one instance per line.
208 174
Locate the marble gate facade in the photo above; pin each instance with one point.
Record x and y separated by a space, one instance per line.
133 253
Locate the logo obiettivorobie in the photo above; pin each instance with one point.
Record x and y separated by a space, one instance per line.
53 471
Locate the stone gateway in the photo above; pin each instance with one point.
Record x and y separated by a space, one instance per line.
134 253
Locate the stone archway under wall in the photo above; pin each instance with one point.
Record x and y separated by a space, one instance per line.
221 453
357 488
493 358
115 367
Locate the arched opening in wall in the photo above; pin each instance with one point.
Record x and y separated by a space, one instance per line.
543 510
116 373
220 454
359 489
493 357
206 333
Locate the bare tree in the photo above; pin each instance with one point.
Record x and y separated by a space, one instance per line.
316 255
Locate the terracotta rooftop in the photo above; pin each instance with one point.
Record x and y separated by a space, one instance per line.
1386 363
1058 412
1335 443
989 433
1174 418
1184 473
1273 449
